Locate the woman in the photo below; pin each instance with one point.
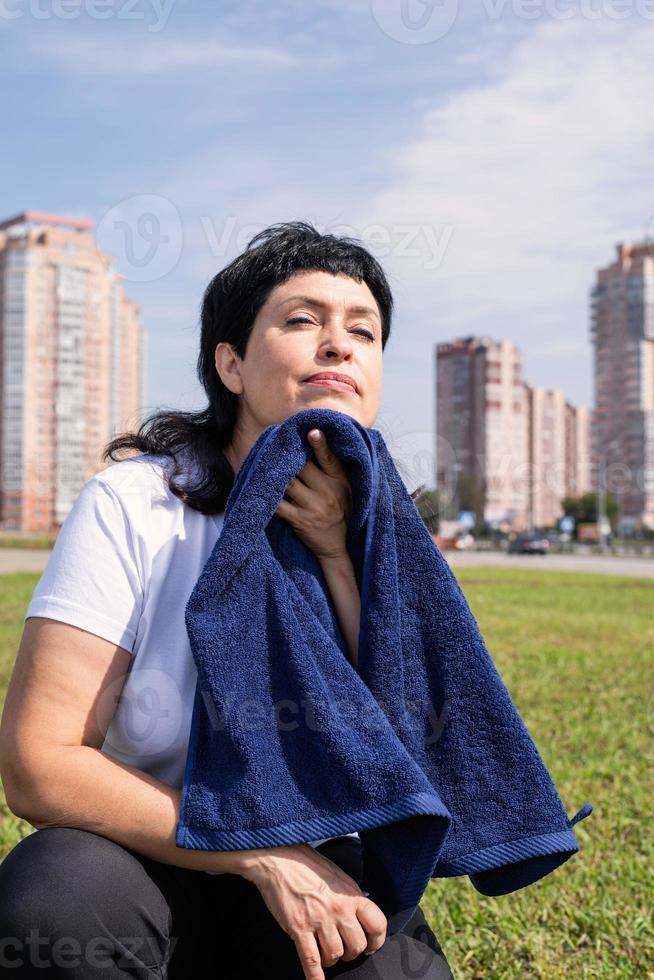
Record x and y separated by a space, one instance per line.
96 721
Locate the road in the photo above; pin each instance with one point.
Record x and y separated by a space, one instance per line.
602 564
33 560
23 559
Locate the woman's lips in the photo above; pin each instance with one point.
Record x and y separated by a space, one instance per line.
329 383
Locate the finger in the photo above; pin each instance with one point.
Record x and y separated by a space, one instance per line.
331 944
299 491
307 949
354 937
311 475
328 460
287 510
374 923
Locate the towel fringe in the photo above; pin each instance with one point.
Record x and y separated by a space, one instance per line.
581 815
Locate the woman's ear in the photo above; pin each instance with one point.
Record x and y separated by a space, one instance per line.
228 366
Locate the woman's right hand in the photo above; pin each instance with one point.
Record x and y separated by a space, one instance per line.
317 904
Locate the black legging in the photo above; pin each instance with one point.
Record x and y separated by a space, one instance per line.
79 905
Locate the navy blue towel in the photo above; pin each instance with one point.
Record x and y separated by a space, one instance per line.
419 748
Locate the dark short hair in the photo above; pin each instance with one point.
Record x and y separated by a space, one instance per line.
230 306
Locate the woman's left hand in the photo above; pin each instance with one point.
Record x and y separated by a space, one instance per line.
321 503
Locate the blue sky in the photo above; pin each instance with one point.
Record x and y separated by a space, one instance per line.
490 154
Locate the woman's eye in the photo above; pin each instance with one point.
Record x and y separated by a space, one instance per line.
301 319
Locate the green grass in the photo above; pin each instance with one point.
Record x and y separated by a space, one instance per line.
576 651
45 543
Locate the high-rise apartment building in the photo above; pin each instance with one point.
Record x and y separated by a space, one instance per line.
546 423
71 365
508 450
578 428
482 427
622 331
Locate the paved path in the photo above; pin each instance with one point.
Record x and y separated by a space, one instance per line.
609 564
23 559
33 560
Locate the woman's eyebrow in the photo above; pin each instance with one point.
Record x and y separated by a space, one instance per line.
357 308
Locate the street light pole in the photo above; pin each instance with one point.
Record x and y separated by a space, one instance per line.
601 496
601 505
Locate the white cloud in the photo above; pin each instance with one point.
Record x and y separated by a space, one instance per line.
534 170
154 54
539 173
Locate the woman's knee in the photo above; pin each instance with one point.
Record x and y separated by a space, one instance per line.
401 955
64 871
63 888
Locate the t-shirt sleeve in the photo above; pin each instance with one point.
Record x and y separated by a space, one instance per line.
92 577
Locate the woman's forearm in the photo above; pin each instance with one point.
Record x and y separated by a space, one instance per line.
80 786
343 588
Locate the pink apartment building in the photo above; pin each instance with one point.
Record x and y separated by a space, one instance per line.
71 365
521 449
559 453
622 331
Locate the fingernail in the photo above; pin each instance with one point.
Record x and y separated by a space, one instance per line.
315 434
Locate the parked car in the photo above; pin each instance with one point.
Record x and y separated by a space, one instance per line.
444 544
528 543
464 541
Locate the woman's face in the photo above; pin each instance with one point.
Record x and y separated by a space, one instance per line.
312 323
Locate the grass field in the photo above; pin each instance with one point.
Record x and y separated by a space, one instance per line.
577 652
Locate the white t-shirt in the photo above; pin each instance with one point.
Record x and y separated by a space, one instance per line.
123 567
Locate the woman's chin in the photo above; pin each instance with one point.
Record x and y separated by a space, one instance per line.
339 401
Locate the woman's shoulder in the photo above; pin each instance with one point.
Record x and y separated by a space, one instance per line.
142 476
139 486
